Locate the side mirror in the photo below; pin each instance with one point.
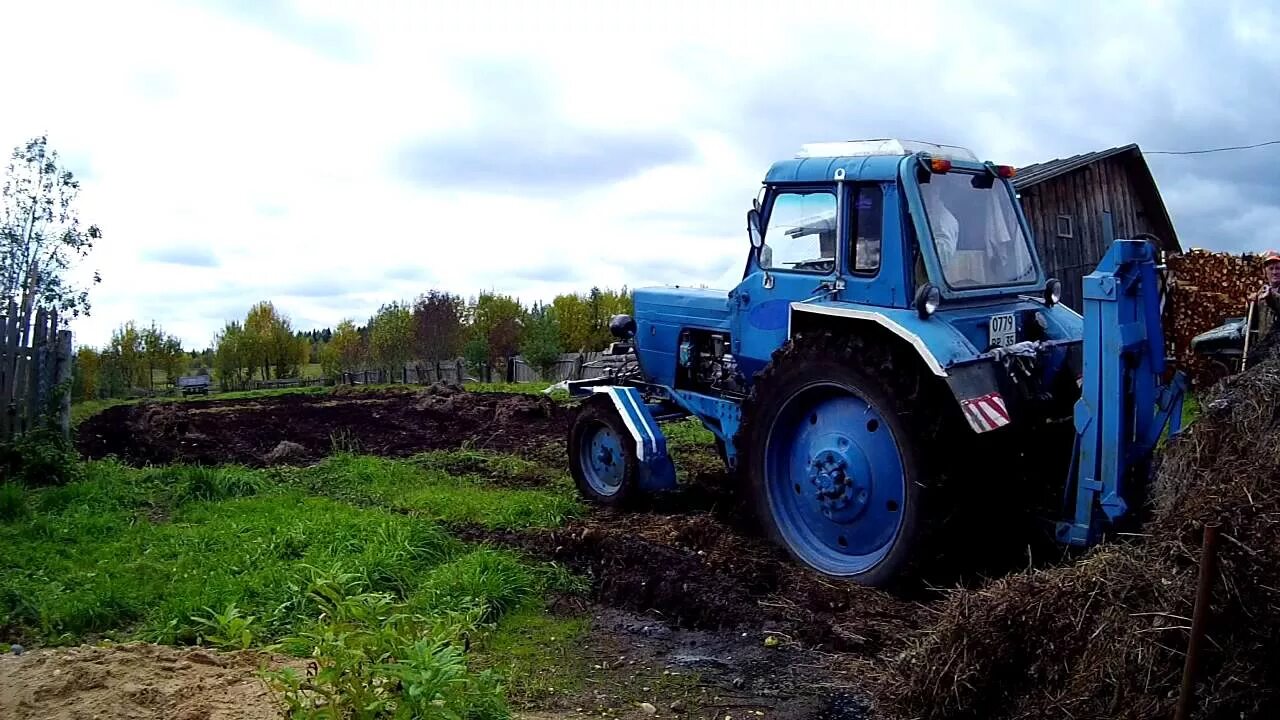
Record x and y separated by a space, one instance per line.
753 228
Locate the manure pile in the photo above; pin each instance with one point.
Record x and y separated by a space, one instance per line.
1105 637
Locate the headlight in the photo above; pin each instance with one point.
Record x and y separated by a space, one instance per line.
1052 292
928 298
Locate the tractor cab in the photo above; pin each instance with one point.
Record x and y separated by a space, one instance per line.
922 240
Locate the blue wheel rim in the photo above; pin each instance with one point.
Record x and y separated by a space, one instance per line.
835 480
600 455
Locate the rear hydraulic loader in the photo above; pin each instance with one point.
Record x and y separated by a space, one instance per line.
893 322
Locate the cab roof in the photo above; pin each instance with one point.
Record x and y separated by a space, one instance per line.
875 160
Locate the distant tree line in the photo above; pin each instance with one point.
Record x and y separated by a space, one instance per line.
128 363
440 327
434 329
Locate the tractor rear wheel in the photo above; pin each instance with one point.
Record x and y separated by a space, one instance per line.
833 459
602 454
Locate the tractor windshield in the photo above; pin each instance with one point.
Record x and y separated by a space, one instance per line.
976 231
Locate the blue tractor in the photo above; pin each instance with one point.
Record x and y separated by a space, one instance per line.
893 324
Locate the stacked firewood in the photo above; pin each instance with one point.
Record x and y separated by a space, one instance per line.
1207 288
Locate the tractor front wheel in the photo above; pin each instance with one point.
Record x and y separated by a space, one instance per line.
833 465
602 454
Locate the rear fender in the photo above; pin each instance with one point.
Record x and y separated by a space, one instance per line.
938 347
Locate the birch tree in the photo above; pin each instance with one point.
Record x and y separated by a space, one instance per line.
41 236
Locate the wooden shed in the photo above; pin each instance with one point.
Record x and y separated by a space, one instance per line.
1076 206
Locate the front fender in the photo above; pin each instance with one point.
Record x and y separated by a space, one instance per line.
938 344
943 349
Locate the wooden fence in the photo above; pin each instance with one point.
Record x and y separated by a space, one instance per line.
35 365
570 366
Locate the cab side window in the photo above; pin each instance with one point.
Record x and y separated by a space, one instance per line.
801 234
868 229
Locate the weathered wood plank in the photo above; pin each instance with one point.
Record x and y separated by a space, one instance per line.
63 380
38 334
1092 221
6 375
1131 224
11 370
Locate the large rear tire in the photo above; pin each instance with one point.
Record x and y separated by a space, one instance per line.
602 455
833 459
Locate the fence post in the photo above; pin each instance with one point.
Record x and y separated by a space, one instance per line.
6 375
17 364
36 367
62 375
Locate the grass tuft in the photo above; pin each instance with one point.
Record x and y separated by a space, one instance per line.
424 489
13 502
492 581
190 483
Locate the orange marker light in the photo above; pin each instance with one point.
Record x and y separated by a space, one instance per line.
1006 171
940 165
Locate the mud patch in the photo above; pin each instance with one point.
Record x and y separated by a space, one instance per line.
390 423
692 572
640 660
138 681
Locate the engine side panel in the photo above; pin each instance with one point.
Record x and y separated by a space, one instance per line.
662 313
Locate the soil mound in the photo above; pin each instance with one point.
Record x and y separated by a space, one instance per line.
136 681
1105 637
391 423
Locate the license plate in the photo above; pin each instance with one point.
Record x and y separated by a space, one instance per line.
1004 331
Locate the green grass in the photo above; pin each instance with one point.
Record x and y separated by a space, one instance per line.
349 562
249 394
426 487
81 411
688 433
539 654
529 388
1190 409
128 553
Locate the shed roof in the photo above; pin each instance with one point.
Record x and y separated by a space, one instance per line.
1038 173
1032 175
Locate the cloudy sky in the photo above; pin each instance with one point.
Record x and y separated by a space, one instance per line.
332 156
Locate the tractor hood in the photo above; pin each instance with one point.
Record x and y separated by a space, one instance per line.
678 307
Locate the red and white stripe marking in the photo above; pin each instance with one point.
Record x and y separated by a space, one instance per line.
985 413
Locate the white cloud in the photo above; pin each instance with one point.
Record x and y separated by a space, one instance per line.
271 136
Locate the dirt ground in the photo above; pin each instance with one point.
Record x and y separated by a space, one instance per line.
377 422
136 681
637 659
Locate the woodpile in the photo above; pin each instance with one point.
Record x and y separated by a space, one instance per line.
1207 288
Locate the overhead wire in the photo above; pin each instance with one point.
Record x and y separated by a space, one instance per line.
1210 150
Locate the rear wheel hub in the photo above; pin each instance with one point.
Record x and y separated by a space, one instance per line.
836 480
837 489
